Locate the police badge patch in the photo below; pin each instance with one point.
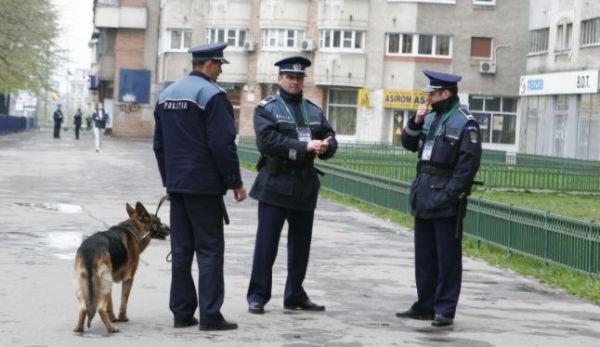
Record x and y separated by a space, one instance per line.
473 136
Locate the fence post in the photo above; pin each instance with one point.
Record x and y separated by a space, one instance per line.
478 222
546 237
510 207
590 247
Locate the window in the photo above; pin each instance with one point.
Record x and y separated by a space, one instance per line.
561 112
563 36
497 118
342 110
481 47
590 31
538 41
342 39
484 2
282 38
234 37
426 45
588 139
180 39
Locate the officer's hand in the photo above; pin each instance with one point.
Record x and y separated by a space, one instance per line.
240 194
421 112
314 146
324 145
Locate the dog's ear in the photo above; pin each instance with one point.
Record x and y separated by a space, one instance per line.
141 210
130 210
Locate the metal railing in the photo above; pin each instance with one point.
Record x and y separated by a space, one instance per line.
567 242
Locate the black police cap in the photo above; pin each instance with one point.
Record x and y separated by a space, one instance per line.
211 51
440 80
295 65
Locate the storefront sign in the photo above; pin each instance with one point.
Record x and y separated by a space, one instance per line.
574 82
403 99
364 97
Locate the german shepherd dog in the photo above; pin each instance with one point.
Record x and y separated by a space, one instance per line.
112 256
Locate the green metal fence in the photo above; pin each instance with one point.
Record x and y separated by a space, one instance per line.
554 239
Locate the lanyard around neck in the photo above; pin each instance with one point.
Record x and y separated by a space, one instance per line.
441 126
290 113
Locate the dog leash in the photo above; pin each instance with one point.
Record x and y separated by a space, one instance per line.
162 200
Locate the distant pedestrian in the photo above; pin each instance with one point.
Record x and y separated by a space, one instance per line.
58 119
77 122
100 118
88 123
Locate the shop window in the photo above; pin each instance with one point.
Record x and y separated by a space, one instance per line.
342 110
588 128
496 116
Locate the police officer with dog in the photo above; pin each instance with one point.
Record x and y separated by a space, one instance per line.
194 144
449 150
291 132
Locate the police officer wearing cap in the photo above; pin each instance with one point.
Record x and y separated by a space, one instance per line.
198 162
290 133
449 151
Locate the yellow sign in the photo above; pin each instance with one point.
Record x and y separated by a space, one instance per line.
404 99
364 97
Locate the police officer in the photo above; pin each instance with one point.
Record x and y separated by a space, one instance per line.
198 162
58 119
449 149
290 133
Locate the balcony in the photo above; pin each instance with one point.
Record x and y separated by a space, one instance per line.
340 69
121 17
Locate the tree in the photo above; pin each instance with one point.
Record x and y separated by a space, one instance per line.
28 54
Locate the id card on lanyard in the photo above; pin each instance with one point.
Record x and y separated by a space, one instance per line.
441 126
304 133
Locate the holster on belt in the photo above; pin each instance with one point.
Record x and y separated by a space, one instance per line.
224 210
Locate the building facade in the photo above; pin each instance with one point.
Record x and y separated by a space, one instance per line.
368 57
560 103
124 50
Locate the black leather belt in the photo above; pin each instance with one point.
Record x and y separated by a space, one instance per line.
435 171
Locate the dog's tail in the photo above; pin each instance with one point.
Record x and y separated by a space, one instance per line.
88 289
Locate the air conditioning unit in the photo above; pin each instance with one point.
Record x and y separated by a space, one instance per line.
308 45
250 46
487 67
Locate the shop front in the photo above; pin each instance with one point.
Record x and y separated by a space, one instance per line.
399 106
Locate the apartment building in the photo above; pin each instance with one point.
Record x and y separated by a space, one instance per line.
560 103
124 49
368 56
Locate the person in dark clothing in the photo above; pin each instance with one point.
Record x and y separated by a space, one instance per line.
100 118
449 149
77 122
58 119
194 144
290 133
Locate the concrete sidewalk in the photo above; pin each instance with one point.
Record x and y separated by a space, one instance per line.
53 192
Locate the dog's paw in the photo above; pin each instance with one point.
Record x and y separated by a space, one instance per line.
123 319
113 330
78 330
113 318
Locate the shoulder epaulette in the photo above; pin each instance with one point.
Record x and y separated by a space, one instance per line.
267 100
465 112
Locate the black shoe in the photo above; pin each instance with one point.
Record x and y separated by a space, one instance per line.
441 321
185 324
305 306
223 325
413 314
256 307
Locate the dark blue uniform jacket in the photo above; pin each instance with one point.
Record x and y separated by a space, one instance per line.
194 138
446 179
297 186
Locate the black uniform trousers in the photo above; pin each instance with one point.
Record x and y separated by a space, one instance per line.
438 265
56 134
270 223
197 227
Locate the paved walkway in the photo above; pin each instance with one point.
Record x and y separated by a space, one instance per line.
53 192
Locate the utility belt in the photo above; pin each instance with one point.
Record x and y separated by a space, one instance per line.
433 170
279 165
